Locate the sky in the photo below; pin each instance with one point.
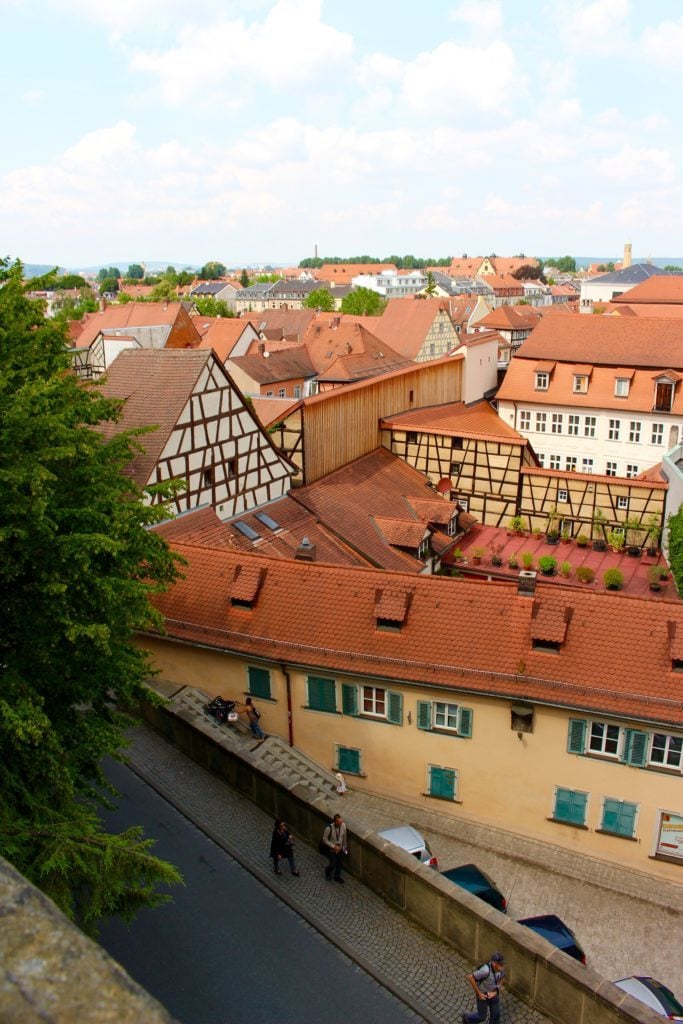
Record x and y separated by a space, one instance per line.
252 132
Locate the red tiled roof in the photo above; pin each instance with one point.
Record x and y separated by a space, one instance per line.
344 273
220 333
130 315
610 341
400 533
615 655
269 411
655 311
431 510
405 323
287 364
564 474
290 322
199 527
506 318
457 419
349 351
660 288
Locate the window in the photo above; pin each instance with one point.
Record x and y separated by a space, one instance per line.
634 431
619 817
589 425
373 702
258 682
282 393
631 470
457 442
322 694
411 437
452 527
549 646
610 469
562 495
587 465
455 468
603 739
231 466
438 715
297 390
541 418
622 502
541 380
580 383
557 423
270 394
207 477
423 550
666 751
570 806
541 459
621 387
555 461
525 420
613 432
442 782
657 433
570 464
664 394
573 426
348 760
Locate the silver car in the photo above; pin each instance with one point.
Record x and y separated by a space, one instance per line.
655 995
409 839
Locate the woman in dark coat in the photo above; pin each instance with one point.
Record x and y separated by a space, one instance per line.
282 847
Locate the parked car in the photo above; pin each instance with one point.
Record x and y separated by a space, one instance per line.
655 995
408 838
476 881
550 927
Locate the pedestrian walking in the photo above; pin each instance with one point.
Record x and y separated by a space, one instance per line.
333 844
487 982
253 715
282 847
341 784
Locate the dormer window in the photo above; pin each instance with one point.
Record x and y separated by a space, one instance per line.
542 379
664 395
621 387
423 550
580 383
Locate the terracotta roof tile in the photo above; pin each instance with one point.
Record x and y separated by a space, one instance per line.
220 333
606 340
660 288
392 603
289 364
549 621
457 419
247 582
405 323
130 315
400 533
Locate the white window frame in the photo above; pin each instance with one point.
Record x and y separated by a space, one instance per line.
610 468
580 383
541 422
632 470
556 423
440 719
622 386
622 502
542 380
573 425
597 745
676 765
589 425
373 697
657 436
634 429
555 462
614 430
587 465
525 419
562 495
570 463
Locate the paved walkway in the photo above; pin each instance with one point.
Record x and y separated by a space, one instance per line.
423 972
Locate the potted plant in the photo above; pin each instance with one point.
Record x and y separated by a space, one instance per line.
654 532
613 579
565 570
516 524
457 555
527 560
634 528
599 520
477 555
537 532
616 541
552 534
547 565
656 576
512 561
495 552
582 540
566 535
585 574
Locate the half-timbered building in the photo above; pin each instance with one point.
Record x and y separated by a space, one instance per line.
203 430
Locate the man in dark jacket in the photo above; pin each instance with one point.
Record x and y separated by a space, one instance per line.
282 847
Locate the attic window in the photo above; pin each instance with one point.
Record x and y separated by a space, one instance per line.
391 608
267 521
246 585
621 387
542 379
457 442
521 718
580 383
389 625
411 437
677 664
664 395
550 646
207 477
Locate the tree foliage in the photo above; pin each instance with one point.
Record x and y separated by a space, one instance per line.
105 272
209 306
212 271
675 527
565 264
363 302
136 272
77 568
321 298
244 278
109 285
400 262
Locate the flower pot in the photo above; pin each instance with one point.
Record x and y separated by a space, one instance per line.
633 551
652 552
548 572
551 540
496 561
599 545
655 587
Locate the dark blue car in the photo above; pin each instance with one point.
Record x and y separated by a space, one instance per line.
470 877
550 927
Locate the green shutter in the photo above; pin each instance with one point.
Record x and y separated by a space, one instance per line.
322 694
570 806
619 816
259 682
635 747
348 760
424 714
349 699
442 782
395 707
577 736
465 716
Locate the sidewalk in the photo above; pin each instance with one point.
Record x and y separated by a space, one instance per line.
424 973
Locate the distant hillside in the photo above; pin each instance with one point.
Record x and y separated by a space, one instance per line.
38 269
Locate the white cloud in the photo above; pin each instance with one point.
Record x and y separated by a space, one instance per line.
651 166
484 15
664 44
101 144
600 27
289 46
483 77
33 97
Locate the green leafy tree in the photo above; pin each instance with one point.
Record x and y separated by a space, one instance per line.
74 309
106 272
136 272
212 271
565 264
209 306
363 302
673 268
77 568
431 284
244 278
321 298
185 277
109 284
164 291
675 529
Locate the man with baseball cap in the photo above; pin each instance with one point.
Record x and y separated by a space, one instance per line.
487 982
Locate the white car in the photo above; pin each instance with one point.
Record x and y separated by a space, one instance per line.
409 839
655 995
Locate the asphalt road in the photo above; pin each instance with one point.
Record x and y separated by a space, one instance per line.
227 950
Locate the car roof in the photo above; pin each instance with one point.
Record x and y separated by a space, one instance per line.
405 836
469 873
651 992
550 923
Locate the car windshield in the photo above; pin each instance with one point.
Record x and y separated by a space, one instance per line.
670 1004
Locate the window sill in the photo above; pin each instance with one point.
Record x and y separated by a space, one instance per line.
442 799
569 824
666 857
347 771
451 733
616 835
257 696
321 711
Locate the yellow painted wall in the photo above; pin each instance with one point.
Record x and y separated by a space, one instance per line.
504 780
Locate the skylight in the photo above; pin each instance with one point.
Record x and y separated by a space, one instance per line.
246 530
267 521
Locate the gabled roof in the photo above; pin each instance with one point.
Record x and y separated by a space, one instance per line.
155 384
288 322
504 282
456 419
405 323
657 289
342 351
634 274
269 411
129 316
221 333
287 364
615 655
510 318
345 272
357 499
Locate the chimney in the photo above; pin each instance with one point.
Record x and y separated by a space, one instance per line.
262 348
627 255
526 583
305 551
103 304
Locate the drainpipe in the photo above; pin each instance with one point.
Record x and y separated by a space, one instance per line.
290 721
